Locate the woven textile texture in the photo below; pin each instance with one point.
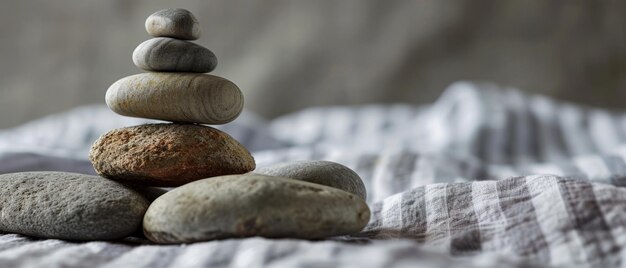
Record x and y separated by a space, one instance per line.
483 177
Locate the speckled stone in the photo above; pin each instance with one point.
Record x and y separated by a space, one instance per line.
177 97
164 54
253 205
68 206
173 22
168 154
321 172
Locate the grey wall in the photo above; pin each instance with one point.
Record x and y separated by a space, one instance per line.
286 55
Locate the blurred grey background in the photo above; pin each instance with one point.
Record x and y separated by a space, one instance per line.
287 55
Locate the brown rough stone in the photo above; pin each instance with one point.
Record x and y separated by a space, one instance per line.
168 154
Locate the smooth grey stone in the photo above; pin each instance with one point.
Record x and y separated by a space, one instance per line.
164 54
321 172
177 97
173 22
253 205
68 206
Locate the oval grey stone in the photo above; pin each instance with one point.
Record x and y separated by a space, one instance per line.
166 54
68 206
253 205
173 22
321 172
177 97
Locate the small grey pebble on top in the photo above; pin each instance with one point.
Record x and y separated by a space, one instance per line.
321 172
173 22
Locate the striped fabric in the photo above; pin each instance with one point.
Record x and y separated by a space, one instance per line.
484 177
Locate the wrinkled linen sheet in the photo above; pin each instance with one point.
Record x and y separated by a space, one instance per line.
483 177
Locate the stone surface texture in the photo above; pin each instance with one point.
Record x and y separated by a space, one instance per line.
321 172
168 154
68 206
253 205
174 22
177 97
164 54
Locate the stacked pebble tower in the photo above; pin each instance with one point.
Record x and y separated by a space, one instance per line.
215 200
216 195
175 89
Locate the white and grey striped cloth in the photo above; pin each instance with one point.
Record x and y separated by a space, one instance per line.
484 177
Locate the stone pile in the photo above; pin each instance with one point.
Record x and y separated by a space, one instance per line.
176 89
217 195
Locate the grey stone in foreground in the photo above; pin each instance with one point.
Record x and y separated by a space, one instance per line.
68 206
177 97
173 22
168 154
321 172
253 205
164 54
